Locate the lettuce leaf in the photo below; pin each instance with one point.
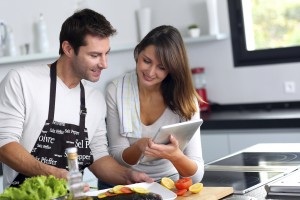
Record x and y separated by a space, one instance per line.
35 188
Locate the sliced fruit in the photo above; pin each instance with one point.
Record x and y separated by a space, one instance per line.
140 190
101 195
126 190
110 194
196 188
180 192
184 183
116 189
168 183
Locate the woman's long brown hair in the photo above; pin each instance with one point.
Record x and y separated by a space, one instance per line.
177 88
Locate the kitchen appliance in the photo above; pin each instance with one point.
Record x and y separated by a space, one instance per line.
199 81
246 171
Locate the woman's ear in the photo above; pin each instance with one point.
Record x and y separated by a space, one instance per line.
67 48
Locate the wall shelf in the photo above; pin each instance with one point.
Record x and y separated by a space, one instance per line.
119 48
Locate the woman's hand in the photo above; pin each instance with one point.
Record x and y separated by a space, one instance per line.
169 151
143 143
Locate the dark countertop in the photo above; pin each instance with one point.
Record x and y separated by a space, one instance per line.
258 194
252 116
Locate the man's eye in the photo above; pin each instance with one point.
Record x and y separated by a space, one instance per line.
94 55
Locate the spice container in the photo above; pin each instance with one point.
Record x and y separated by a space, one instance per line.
199 81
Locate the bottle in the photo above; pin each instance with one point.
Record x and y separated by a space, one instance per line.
41 36
76 185
199 81
10 46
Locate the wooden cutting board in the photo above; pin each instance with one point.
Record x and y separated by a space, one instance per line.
208 193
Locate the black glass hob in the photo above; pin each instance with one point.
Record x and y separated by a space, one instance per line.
261 159
242 182
246 171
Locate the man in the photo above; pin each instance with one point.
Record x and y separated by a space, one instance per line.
45 109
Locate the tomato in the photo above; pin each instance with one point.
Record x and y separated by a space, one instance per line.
126 190
180 192
183 183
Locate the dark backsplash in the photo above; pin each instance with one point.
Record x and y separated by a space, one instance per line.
255 106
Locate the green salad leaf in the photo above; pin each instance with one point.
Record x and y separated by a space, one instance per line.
36 188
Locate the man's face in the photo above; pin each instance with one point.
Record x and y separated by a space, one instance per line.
92 58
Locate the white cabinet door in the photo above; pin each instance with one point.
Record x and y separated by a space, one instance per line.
241 139
1 184
214 145
90 178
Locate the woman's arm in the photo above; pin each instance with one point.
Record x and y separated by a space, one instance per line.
189 162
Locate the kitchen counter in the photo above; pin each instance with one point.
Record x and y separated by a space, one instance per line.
252 116
260 192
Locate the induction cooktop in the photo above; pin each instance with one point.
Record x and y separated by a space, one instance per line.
261 159
245 171
242 182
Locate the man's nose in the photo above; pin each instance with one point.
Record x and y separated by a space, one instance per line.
103 62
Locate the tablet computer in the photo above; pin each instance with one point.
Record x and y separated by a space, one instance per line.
183 132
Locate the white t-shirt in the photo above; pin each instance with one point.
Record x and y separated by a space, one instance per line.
24 106
158 168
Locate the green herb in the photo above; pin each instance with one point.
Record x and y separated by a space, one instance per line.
192 26
38 187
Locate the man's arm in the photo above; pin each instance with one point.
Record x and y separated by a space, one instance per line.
15 156
109 170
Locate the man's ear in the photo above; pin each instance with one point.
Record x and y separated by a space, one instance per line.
67 48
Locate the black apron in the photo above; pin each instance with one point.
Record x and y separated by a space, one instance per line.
57 136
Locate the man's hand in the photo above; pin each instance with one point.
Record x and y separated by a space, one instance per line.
137 177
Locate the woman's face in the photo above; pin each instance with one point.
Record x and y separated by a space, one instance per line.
149 69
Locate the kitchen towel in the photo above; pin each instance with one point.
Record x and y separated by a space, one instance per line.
129 105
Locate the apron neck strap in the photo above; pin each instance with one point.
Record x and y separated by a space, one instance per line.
52 92
83 110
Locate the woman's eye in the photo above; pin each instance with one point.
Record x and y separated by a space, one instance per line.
147 61
162 68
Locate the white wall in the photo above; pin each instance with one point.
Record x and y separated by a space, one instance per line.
225 83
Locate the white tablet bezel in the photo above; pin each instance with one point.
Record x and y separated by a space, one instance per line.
183 132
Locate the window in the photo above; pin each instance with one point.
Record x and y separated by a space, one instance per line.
264 31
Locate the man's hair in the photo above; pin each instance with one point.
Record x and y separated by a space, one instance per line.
82 23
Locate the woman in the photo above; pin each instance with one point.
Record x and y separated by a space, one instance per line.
159 92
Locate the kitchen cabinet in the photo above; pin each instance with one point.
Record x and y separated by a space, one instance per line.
214 145
90 178
1 184
116 48
219 143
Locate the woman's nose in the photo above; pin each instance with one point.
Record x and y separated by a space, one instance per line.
152 70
